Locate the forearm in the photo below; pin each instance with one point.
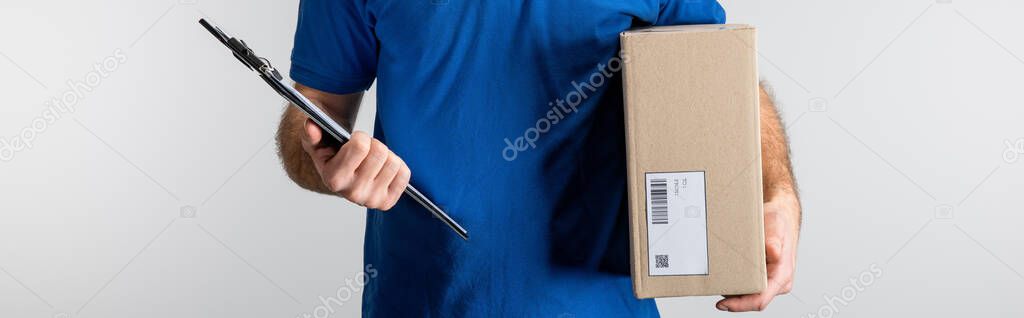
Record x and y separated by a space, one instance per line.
296 161
777 171
781 213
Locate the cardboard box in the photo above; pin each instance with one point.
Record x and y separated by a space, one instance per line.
694 160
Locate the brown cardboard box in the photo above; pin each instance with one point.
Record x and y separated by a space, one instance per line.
694 160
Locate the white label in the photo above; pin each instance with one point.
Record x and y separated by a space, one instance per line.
677 227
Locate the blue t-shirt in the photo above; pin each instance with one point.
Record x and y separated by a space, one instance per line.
509 114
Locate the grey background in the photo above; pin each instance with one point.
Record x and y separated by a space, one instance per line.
898 113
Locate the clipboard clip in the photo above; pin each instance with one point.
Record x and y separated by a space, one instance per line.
242 52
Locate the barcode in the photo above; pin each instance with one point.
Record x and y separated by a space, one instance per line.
660 261
659 201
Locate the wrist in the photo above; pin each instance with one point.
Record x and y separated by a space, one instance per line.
780 192
784 200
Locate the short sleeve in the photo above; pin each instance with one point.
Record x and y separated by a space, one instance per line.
335 47
677 12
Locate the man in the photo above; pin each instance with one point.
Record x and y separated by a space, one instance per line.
455 79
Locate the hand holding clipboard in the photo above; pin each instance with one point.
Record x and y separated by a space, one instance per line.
272 77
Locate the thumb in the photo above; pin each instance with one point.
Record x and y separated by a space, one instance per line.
775 235
312 142
773 249
313 134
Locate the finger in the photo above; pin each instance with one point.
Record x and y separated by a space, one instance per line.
380 196
781 274
773 250
361 189
340 175
391 169
753 302
313 136
311 144
780 278
774 230
373 163
353 152
398 185
777 278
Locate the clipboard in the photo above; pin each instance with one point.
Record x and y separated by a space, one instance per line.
272 77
